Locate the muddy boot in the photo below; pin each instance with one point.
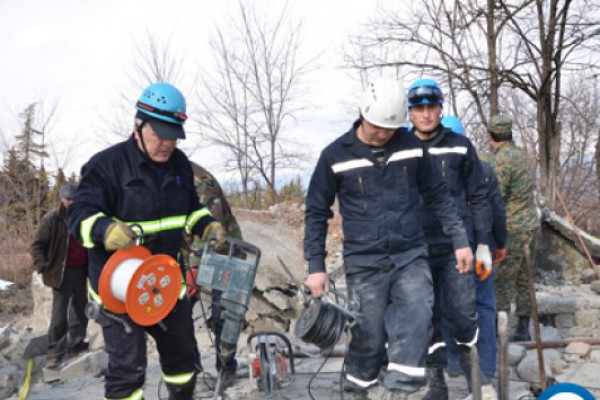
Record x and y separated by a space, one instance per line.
438 390
522 332
357 395
389 394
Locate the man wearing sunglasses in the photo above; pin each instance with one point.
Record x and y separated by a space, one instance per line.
455 301
379 174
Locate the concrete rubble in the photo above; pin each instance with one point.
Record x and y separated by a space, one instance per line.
568 305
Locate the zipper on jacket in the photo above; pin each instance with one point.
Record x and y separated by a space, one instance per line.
362 192
444 168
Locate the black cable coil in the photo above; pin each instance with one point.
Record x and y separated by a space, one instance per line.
323 330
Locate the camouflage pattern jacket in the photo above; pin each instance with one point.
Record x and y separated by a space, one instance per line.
514 173
211 195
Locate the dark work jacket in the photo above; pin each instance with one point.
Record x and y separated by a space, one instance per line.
379 203
457 160
498 208
49 247
120 183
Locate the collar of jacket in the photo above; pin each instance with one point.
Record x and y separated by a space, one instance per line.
503 146
353 143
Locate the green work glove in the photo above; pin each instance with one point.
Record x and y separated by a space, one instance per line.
118 236
214 231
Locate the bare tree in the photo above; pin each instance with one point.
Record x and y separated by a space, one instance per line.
580 124
529 45
154 61
253 92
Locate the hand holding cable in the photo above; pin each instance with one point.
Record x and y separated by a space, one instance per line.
318 283
118 236
483 261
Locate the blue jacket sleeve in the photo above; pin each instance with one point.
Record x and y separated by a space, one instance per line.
319 199
497 206
477 196
437 196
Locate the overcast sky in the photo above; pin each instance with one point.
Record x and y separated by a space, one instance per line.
79 52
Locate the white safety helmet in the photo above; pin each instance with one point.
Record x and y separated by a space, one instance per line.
384 103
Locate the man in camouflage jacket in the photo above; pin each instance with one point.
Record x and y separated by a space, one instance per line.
211 195
516 180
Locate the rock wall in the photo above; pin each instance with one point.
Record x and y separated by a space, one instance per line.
560 254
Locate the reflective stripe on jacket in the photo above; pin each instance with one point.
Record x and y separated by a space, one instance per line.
379 203
119 183
457 160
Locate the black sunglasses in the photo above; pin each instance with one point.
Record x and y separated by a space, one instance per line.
417 94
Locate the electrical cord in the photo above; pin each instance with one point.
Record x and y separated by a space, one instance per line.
314 375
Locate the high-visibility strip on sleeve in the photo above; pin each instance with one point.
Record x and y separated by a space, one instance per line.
158 225
137 395
180 379
85 230
195 217
92 293
183 291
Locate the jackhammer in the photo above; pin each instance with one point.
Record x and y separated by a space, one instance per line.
233 274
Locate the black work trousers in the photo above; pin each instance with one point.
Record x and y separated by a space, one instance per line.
454 307
393 305
68 323
127 358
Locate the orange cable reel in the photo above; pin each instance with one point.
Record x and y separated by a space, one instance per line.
142 285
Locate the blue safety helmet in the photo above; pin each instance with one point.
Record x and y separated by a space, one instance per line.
424 91
453 123
163 106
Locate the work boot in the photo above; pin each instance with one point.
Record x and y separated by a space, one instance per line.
487 393
522 332
78 349
389 394
438 390
228 378
53 361
357 395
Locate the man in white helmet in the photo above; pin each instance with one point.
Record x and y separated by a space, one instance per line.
379 172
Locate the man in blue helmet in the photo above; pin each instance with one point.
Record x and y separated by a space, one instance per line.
147 181
484 282
379 173
455 306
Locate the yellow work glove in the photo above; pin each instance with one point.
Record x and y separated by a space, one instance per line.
214 231
118 236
